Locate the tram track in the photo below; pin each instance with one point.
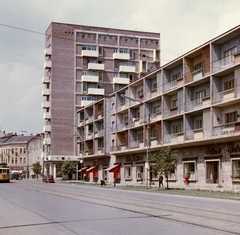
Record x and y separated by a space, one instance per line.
215 219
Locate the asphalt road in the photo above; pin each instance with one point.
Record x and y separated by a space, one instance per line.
31 207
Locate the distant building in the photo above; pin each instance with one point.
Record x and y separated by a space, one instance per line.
83 64
20 152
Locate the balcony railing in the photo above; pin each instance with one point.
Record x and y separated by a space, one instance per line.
170 85
223 64
223 96
226 129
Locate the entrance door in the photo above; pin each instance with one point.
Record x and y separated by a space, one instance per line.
212 176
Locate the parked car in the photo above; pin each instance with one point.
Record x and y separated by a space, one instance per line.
48 179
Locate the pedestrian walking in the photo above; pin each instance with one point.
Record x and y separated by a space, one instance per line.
160 180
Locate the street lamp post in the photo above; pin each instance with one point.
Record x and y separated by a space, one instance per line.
147 170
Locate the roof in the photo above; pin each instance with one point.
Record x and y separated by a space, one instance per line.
21 139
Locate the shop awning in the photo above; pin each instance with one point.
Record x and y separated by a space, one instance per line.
83 169
113 168
91 169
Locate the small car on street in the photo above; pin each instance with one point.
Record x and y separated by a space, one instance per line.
48 179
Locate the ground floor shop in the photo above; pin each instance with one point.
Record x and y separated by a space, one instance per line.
208 166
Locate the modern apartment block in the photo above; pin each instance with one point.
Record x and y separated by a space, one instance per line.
191 104
82 65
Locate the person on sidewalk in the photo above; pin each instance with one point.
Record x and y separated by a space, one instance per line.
160 181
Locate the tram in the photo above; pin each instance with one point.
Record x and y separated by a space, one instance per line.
4 173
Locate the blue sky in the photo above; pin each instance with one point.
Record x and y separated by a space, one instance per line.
183 24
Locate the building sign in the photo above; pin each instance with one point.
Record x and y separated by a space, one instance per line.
134 158
213 150
234 149
103 161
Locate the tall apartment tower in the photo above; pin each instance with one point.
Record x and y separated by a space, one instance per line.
84 64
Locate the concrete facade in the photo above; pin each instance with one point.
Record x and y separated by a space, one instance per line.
190 104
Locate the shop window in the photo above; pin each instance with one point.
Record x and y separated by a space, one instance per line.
236 169
189 167
171 175
127 172
212 172
139 172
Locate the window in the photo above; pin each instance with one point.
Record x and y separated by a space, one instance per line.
127 172
157 109
24 160
230 52
231 117
84 61
174 103
236 169
228 85
140 136
115 64
100 51
199 124
126 40
197 67
149 53
20 160
139 171
200 94
176 76
15 160
12 160
140 94
176 128
100 76
212 172
126 120
189 167
154 86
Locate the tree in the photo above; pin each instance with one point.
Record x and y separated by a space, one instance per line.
165 162
37 168
68 168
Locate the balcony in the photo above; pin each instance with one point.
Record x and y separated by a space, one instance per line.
47 64
127 69
90 53
86 102
223 64
95 66
48 52
90 78
46 128
226 129
224 96
45 79
45 91
121 56
47 141
174 138
95 91
47 115
198 104
45 104
119 80
173 84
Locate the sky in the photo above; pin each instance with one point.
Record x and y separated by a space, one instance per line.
183 25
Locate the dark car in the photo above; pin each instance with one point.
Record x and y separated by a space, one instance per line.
48 179
15 176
